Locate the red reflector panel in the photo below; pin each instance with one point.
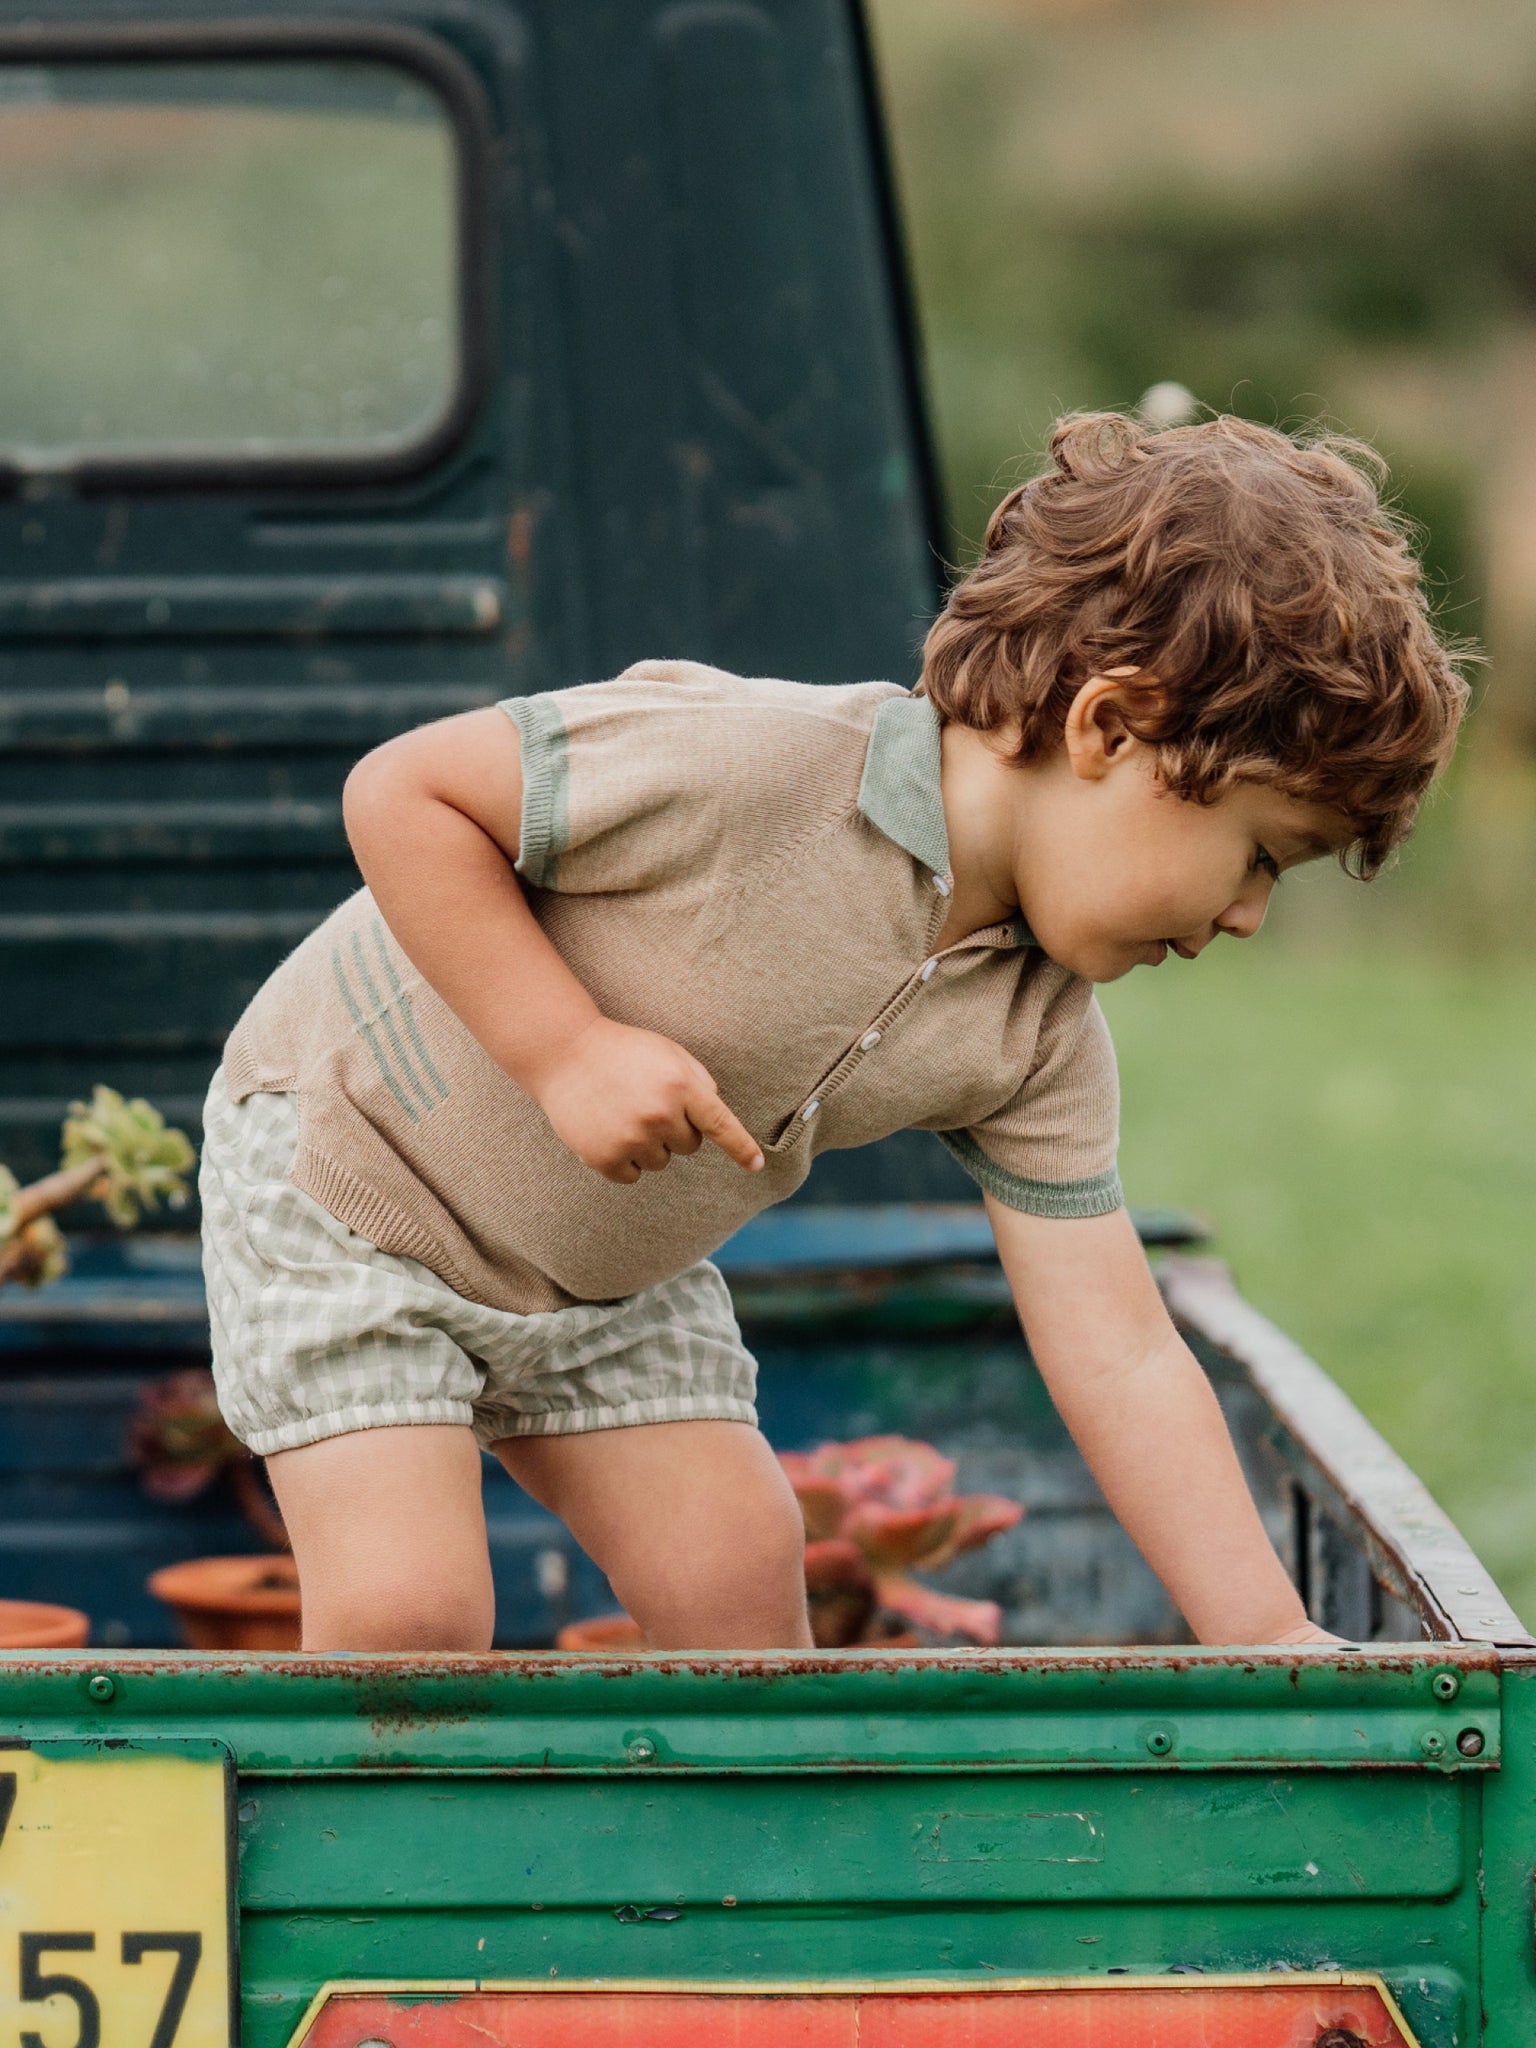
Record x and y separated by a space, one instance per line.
1258 2014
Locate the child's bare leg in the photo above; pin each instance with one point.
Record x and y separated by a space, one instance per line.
388 1532
694 1524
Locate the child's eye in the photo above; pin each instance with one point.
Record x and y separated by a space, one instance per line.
1267 864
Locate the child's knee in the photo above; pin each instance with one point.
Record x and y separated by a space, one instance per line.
422 1615
780 1537
760 1559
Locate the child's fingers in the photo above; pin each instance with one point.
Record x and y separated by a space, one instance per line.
709 1116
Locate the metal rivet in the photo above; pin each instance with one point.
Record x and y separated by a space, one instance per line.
1470 1742
101 1687
1445 1685
642 1750
1432 1742
1159 1741
729 1899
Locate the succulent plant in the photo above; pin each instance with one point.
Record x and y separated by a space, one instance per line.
875 1511
31 1252
141 1160
121 1154
181 1443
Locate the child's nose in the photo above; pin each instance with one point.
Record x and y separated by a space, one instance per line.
1244 915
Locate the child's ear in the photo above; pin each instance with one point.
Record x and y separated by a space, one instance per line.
1097 733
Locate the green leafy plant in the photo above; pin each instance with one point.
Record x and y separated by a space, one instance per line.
119 1153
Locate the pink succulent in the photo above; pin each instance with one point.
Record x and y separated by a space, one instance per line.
181 1443
881 1507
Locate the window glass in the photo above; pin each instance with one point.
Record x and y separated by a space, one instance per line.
223 259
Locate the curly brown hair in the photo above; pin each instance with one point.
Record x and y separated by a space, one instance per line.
1271 602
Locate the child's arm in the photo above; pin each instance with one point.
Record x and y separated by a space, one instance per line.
1144 1417
435 819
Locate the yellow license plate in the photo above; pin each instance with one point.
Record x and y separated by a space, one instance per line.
115 1895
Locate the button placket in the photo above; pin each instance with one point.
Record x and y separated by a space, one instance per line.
851 1060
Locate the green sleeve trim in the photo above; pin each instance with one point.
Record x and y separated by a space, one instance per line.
546 825
1096 1196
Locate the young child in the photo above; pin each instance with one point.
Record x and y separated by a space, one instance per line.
631 954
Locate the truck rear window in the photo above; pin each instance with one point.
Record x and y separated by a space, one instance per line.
224 259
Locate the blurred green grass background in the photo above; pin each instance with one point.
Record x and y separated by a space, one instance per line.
1299 211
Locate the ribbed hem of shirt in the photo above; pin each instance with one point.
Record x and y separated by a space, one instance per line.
899 789
1098 1195
386 1227
242 1076
546 828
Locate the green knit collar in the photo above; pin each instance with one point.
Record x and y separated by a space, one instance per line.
900 794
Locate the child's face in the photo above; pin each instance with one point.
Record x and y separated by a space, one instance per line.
1113 871
1150 873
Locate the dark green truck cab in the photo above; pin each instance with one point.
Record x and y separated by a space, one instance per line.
364 365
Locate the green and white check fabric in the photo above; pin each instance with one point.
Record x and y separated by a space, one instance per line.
317 1332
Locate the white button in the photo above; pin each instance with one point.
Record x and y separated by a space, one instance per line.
810 1109
943 884
869 1040
928 967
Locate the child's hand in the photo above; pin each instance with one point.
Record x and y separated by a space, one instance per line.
1304 1633
625 1101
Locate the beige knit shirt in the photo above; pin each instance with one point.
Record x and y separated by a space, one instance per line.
759 870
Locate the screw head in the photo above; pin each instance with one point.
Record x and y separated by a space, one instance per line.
1159 1740
1432 1742
1445 1685
101 1687
642 1750
1470 1742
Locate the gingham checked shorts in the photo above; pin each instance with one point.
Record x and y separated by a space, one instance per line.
315 1331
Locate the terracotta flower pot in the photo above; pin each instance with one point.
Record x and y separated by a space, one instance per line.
233 1603
36 1625
614 1634
601 1633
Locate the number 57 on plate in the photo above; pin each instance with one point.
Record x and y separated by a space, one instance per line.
115 1894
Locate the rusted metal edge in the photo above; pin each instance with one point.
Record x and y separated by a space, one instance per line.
1389 1708
1413 1545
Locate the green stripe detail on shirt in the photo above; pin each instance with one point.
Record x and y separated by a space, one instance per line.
546 828
1098 1195
899 790
364 1029
402 1002
381 1015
